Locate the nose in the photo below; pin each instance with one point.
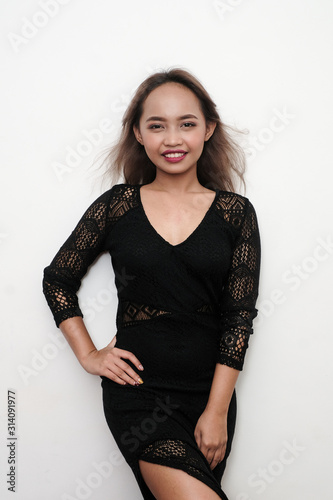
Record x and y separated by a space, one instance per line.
173 137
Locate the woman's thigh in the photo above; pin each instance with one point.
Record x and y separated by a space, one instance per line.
166 483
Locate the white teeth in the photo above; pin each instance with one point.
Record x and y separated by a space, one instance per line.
174 155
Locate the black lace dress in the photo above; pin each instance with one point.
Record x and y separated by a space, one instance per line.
182 309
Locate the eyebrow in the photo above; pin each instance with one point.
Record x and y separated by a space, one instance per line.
161 119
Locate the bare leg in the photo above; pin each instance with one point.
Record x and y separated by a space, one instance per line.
167 483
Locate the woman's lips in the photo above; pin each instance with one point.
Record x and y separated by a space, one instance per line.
174 156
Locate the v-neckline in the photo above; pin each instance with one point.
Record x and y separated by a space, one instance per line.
190 235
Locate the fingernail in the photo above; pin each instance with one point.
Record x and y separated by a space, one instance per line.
140 367
140 380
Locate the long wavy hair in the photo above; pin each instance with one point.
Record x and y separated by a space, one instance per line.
221 163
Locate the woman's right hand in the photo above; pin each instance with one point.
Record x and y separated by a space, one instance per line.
109 362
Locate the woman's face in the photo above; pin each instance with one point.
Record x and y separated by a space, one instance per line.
173 129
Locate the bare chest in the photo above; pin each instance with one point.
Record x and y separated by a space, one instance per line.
175 219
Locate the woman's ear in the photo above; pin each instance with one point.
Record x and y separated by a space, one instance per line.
210 128
137 134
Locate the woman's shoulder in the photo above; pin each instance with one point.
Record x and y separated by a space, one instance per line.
231 201
120 193
115 201
233 207
231 197
111 205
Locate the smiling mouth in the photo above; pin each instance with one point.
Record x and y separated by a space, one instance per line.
174 155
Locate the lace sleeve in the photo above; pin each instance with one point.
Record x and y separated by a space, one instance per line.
240 292
62 278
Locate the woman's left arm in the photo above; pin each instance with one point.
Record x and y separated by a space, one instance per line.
211 430
238 310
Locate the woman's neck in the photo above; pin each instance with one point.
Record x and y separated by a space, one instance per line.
177 183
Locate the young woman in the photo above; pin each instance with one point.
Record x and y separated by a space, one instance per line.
189 248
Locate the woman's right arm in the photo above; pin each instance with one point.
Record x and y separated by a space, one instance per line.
108 362
62 279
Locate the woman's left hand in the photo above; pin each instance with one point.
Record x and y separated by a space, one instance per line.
211 436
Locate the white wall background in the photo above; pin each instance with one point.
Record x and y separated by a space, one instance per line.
69 67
